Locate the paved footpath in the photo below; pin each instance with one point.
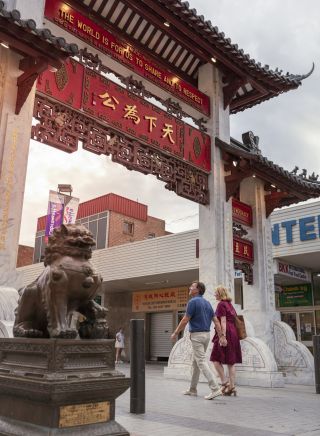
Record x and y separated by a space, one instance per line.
293 410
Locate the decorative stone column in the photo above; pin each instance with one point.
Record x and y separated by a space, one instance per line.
259 298
14 149
215 219
259 367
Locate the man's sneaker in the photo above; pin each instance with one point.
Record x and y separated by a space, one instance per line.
192 393
213 394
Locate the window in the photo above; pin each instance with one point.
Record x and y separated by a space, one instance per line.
316 289
97 224
318 322
128 228
151 235
39 247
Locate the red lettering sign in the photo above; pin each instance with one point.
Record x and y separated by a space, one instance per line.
284 268
242 249
84 89
241 212
73 21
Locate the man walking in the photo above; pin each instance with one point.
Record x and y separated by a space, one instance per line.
199 314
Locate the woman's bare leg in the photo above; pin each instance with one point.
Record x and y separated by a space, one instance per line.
232 375
220 370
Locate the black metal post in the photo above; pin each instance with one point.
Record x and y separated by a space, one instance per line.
137 367
316 355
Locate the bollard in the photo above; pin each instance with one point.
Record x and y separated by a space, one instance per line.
137 366
316 355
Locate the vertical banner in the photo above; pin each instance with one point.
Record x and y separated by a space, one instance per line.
62 209
71 205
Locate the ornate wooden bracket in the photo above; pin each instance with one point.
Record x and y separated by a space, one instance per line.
247 270
238 230
274 200
230 90
31 68
233 181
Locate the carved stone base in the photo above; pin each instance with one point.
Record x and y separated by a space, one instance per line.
6 329
19 428
259 367
56 386
293 358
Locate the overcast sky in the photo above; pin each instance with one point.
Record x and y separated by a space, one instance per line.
284 34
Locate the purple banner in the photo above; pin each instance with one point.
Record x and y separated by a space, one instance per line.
55 212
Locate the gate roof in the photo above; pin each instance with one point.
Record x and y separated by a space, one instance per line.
178 38
282 187
24 37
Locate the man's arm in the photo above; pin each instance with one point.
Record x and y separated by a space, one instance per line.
180 327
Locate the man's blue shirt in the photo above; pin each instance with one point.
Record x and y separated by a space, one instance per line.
201 314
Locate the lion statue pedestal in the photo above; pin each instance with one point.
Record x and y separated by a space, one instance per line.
55 379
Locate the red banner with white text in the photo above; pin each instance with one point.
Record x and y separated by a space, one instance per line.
70 19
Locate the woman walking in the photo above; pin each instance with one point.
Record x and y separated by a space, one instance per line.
119 345
226 344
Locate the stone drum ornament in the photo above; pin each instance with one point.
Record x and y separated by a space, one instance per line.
68 283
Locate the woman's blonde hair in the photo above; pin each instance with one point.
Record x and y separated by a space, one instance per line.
223 293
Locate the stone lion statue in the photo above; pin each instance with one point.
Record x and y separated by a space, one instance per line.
68 284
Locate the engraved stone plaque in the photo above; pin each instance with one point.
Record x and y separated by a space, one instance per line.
83 414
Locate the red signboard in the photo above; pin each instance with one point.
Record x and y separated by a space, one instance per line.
242 249
84 89
73 21
241 212
65 85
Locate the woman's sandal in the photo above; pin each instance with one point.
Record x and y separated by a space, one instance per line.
224 387
230 391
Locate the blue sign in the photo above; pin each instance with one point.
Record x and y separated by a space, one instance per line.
309 229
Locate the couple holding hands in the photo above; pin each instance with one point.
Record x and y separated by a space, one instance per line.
226 344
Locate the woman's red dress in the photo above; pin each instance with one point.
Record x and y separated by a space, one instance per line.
230 354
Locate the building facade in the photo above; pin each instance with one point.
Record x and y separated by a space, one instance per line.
112 219
296 252
154 283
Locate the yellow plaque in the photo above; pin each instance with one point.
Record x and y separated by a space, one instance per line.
83 414
159 300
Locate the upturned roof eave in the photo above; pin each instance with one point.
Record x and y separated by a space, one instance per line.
221 45
271 172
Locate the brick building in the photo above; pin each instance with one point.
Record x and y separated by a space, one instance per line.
25 255
112 219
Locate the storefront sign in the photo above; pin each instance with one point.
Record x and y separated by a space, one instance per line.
84 89
160 300
238 274
241 212
84 28
242 249
293 271
297 295
308 230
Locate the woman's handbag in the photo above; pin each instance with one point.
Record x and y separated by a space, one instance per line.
240 326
